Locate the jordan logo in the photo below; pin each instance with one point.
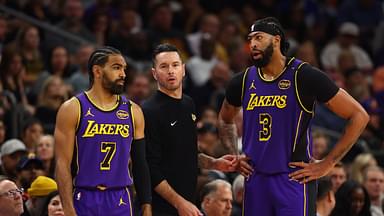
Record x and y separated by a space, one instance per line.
89 113
252 85
121 202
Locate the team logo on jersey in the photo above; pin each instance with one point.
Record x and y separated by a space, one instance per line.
89 113
94 128
121 202
279 101
193 117
252 85
284 84
122 114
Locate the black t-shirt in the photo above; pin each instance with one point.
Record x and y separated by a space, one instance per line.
313 85
171 140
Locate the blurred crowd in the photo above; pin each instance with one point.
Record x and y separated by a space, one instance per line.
41 67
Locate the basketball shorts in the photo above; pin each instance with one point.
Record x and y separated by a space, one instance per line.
111 202
277 195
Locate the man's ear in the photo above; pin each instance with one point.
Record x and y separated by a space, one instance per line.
96 70
154 73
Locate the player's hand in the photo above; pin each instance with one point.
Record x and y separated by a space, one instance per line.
243 166
226 163
311 171
186 208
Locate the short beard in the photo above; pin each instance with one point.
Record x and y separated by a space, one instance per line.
112 87
266 57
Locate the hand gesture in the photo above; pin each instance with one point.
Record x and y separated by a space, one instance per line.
243 166
226 163
186 208
310 171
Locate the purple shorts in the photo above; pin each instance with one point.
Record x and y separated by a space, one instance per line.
109 202
277 195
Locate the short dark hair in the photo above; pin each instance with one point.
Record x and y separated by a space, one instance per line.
163 48
324 185
100 57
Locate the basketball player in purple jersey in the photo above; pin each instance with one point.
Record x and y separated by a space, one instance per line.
97 133
278 95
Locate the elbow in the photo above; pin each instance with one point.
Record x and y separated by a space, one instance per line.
365 118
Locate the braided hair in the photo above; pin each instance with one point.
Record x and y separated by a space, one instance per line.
100 57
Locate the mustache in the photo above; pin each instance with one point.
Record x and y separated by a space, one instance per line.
257 50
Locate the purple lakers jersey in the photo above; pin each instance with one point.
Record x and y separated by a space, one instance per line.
103 144
276 125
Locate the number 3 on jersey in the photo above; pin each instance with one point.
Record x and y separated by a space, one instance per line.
110 149
266 123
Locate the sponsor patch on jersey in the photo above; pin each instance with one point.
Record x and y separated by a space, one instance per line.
122 114
284 84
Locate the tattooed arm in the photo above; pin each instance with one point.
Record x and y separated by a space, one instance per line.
227 127
226 163
348 108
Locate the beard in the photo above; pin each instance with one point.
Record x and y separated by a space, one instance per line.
266 56
112 86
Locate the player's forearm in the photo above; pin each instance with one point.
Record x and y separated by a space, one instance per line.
228 136
168 193
206 161
146 209
354 128
64 182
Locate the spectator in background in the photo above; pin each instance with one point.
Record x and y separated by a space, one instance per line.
373 181
208 139
325 200
45 151
28 45
53 205
361 162
238 194
31 132
72 22
58 65
126 28
53 93
367 14
80 79
217 198
40 188
12 73
11 152
208 115
139 89
352 200
320 143
338 176
308 53
161 30
11 200
210 24
100 26
187 18
28 169
347 40
212 92
199 67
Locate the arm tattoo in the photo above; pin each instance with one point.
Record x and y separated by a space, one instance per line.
228 137
205 161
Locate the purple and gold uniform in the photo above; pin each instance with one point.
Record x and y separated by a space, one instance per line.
276 132
101 157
